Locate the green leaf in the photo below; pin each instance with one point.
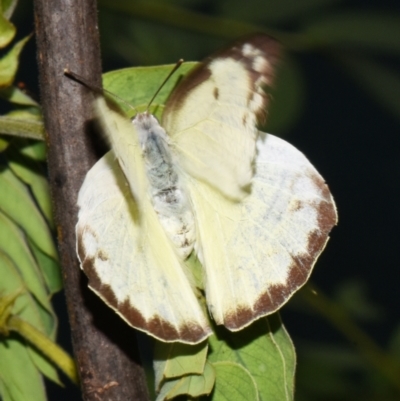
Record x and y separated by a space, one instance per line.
7 31
33 149
17 203
173 360
9 63
22 127
32 173
4 393
17 96
19 374
3 144
138 85
265 350
234 382
381 82
12 243
8 7
378 32
192 385
26 306
50 268
45 367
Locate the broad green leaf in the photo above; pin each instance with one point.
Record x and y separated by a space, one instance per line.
191 386
4 393
265 350
355 30
17 96
7 31
22 127
173 360
32 173
18 372
17 203
234 382
138 85
13 243
381 82
50 268
9 63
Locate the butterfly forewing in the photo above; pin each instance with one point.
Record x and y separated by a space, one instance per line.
211 116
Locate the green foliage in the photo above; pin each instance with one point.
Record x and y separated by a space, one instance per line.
257 363
29 268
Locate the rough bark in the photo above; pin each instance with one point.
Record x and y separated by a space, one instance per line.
104 346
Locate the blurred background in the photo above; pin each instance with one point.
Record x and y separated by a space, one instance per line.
337 99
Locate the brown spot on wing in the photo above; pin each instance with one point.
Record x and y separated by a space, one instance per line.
102 255
216 93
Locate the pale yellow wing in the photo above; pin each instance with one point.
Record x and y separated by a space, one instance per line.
258 252
211 116
130 262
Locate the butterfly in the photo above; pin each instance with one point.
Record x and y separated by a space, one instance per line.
204 182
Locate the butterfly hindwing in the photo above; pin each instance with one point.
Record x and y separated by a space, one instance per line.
211 116
258 252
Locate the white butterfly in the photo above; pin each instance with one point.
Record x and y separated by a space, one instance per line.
251 206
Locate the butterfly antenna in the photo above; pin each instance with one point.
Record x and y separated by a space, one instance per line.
177 65
97 89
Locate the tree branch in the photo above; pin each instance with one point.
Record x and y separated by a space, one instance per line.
104 346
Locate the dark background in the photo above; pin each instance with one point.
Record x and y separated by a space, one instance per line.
349 135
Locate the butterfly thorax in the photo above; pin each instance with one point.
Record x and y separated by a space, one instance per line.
166 190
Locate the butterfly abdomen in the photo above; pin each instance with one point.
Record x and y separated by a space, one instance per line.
167 194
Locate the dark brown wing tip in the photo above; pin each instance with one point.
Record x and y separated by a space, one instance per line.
299 271
241 50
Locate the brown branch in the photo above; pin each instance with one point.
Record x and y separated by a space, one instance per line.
104 346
